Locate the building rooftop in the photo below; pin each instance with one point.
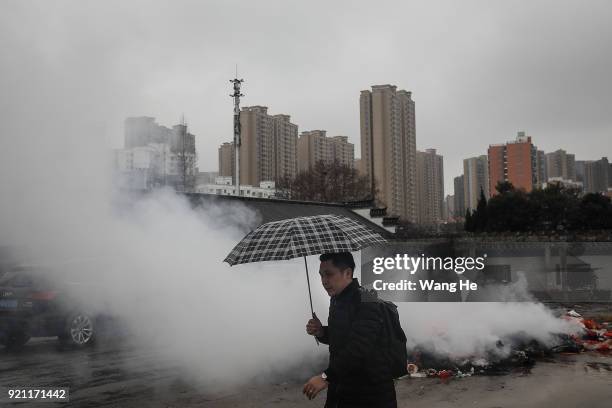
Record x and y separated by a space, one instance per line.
278 209
385 86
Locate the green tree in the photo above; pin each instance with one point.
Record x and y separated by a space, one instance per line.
554 208
504 187
480 216
596 211
469 221
508 210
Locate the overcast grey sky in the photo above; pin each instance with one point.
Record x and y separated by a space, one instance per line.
479 70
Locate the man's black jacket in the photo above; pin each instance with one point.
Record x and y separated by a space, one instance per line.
358 373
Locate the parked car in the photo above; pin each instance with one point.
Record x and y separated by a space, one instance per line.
41 303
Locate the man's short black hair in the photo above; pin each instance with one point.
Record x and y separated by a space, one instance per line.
340 260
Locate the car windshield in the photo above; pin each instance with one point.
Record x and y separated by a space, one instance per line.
25 277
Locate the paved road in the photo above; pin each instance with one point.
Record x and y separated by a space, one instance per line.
116 375
105 375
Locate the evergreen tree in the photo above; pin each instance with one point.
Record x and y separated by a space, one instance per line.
504 187
553 208
469 221
596 211
480 219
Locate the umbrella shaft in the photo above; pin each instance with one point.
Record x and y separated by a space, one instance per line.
309 293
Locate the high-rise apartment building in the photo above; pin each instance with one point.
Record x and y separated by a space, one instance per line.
268 149
227 160
314 146
580 172
430 187
449 208
182 147
476 178
388 148
255 145
459 196
357 165
597 176
285 135
541 176
561 164
515 162
342 151
141 131
155 155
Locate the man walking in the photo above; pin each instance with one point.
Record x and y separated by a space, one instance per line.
358 374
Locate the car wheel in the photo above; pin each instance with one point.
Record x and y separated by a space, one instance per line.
14 339
80 330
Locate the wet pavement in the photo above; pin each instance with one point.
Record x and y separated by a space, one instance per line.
117 375
104 375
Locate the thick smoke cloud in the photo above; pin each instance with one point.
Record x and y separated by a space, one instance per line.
69 78
474 329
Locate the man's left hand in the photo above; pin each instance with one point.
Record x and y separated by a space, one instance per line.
315 385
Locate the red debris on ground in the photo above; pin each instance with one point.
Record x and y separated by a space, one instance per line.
591 336
594 337
443 374
591 324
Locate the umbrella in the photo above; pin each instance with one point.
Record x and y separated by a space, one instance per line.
303 236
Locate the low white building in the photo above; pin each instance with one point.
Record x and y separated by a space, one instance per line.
143 167
156 156
564 182
151 166
224 186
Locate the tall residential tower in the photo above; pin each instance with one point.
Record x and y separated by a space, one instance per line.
430 187
388 148
476 178
514 161
314 146
268 150
561 164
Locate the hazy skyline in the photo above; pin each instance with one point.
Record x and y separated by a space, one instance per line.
479 71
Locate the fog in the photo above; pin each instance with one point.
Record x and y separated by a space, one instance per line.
163 262
472 330
160 263
225 326
163 259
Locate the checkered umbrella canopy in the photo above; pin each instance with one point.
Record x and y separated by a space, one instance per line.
302 236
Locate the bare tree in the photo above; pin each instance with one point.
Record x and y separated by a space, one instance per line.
326 182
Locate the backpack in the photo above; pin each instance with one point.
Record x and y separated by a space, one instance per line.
394 342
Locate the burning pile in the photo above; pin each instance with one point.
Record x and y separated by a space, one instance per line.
594 336
520 351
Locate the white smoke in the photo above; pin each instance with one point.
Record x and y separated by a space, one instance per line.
162 259
160 262
474 328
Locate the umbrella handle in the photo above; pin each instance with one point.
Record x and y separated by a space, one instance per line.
309 294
